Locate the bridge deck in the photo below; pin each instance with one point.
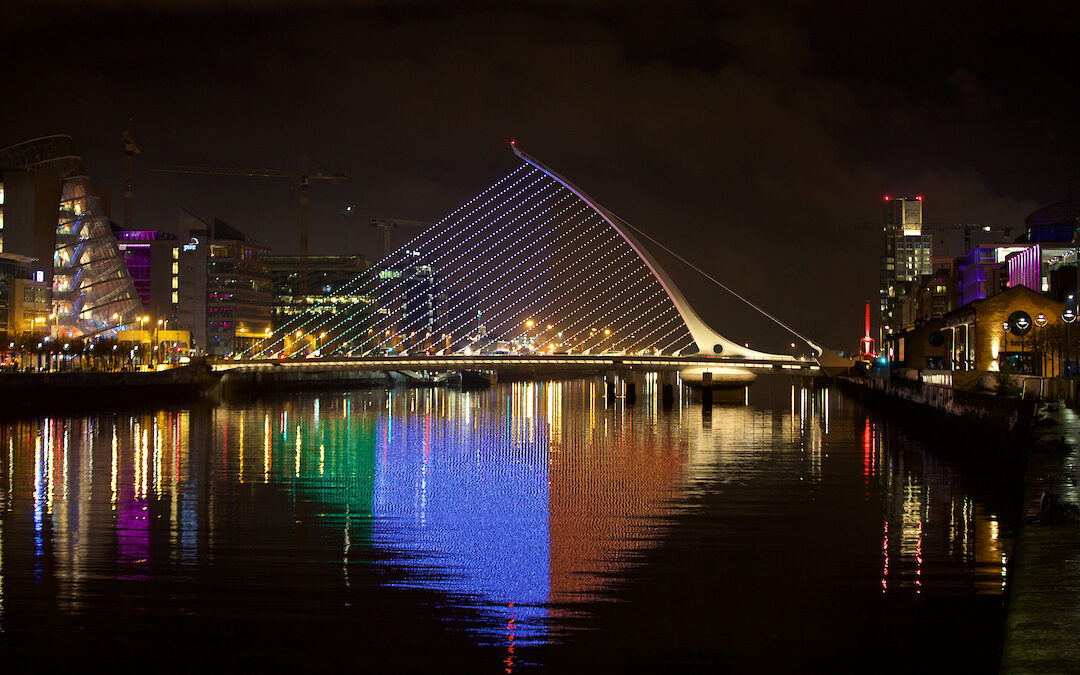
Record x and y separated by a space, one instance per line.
507 362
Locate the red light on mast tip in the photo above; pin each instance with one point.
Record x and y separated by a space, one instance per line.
513 142
886 197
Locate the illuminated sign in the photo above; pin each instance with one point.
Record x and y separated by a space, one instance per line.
194 244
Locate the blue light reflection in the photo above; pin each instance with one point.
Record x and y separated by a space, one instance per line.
460 499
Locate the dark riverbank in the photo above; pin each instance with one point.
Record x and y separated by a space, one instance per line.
35 394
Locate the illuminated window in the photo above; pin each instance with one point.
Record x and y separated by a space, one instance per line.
175 283
175 297
176 253
175 269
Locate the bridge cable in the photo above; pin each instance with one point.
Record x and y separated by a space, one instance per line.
720 284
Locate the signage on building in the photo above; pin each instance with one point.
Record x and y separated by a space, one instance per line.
1020 323
192 245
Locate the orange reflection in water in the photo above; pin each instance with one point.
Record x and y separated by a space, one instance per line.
603 467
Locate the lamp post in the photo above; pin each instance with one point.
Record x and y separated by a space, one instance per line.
1040 322
1004 352
1069 317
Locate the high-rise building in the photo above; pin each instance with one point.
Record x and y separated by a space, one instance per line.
224 294
908 255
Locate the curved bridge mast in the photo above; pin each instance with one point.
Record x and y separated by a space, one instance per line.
708 341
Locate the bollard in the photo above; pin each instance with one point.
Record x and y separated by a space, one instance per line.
706 390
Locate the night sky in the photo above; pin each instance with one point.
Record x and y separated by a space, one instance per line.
754 138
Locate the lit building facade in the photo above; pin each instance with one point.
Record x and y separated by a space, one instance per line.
24 302
908 255
975 338
1031 267
53 215
983 272
152 259
225 288
333 290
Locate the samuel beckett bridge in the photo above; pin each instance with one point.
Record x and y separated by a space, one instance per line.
531 274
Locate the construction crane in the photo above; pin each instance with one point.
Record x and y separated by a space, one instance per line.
130 150
927 228
388 224
304 175
968 228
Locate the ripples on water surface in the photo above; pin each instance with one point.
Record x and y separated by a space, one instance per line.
527 525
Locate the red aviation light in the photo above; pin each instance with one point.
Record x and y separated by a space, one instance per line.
886 197
918 198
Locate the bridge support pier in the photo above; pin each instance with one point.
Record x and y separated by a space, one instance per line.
667 387
631 379
609 386
706 390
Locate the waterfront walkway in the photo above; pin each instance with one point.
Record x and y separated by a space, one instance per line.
1043 624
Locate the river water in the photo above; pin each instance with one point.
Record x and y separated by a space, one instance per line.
532 525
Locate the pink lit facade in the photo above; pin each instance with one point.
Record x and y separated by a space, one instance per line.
1025 268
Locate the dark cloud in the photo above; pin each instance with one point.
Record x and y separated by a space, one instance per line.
754 139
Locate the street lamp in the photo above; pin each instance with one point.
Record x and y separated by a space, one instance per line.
1069 317
1040 322
1004 351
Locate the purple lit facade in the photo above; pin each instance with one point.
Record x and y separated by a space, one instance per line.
151 256
984 272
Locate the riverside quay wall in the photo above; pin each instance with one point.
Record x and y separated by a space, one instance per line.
24 394
1011 414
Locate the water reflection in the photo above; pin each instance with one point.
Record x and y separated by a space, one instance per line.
521 505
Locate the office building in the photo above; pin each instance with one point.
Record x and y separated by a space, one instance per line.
908 255
152 259
24 302
334 305
225 288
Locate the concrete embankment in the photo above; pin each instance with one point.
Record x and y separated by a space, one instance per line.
242 383
23 394
1011 414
